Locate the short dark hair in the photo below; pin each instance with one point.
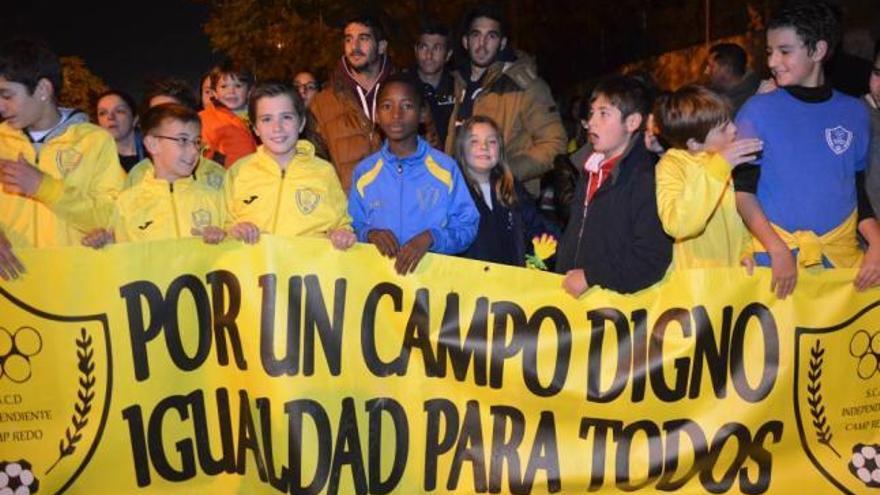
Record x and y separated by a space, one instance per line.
689 113
26 61
275 88
172 87
730 55
433 26
369 20
154 117
122 95
489 10
405 78
230 68
625 93
812 21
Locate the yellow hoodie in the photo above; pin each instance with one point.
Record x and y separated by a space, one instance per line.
156 209
82 178
306 200
697 206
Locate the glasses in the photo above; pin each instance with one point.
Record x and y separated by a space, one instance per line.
182 141
307 86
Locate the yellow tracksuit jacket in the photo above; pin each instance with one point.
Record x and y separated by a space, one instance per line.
207 172
156 209
697 206
305 200
82 178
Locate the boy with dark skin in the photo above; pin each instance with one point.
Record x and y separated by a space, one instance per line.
408 198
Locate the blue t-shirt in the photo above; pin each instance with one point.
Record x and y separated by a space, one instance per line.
812 152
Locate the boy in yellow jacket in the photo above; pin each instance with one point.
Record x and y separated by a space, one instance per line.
59 173
283 188
167 203
695 197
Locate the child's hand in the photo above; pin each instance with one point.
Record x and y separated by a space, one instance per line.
98 238
245 232
10 266
784 269
575 283
385 242
20 177
869 272
210 234
742 151
766 86
342 239
748 262
412 252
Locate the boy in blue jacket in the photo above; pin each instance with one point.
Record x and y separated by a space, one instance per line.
409 198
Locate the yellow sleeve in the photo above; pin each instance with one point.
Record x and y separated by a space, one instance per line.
88 205
688 192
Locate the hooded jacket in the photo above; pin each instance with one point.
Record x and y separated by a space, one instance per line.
82 178
521 104
303 200
423 191
155 209
618 241
347 131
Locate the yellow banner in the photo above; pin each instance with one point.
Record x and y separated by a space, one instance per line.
288 367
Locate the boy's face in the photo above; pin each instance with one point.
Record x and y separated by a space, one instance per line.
115 116
719 137
207 90
608 130
174 147
483 41
232 92
432 53
397 112
791 62
18 106
874 82
277 124
361 48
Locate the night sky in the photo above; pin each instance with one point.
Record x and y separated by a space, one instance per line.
163 37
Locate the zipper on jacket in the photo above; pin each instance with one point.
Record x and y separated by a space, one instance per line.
36 223
174 209
580 237
278 202
400 209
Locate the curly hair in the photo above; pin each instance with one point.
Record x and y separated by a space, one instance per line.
813 21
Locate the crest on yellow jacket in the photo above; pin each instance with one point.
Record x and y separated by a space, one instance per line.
201 218
68 159
307 200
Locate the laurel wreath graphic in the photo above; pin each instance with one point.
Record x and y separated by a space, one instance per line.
814 398
85 394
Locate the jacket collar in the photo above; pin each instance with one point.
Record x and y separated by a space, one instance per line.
416 158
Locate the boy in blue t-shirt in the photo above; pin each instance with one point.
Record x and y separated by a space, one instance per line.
408 198
804 198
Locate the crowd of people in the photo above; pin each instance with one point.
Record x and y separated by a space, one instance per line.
445 158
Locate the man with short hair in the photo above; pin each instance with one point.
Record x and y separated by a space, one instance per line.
503 85
345 110
438 88
729 75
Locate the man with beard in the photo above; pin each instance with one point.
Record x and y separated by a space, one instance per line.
503 85
345 110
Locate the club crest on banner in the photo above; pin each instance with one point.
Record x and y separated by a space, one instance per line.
45 446
839 424
838 139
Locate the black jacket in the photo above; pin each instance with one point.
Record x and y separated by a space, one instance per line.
505 234
618 240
